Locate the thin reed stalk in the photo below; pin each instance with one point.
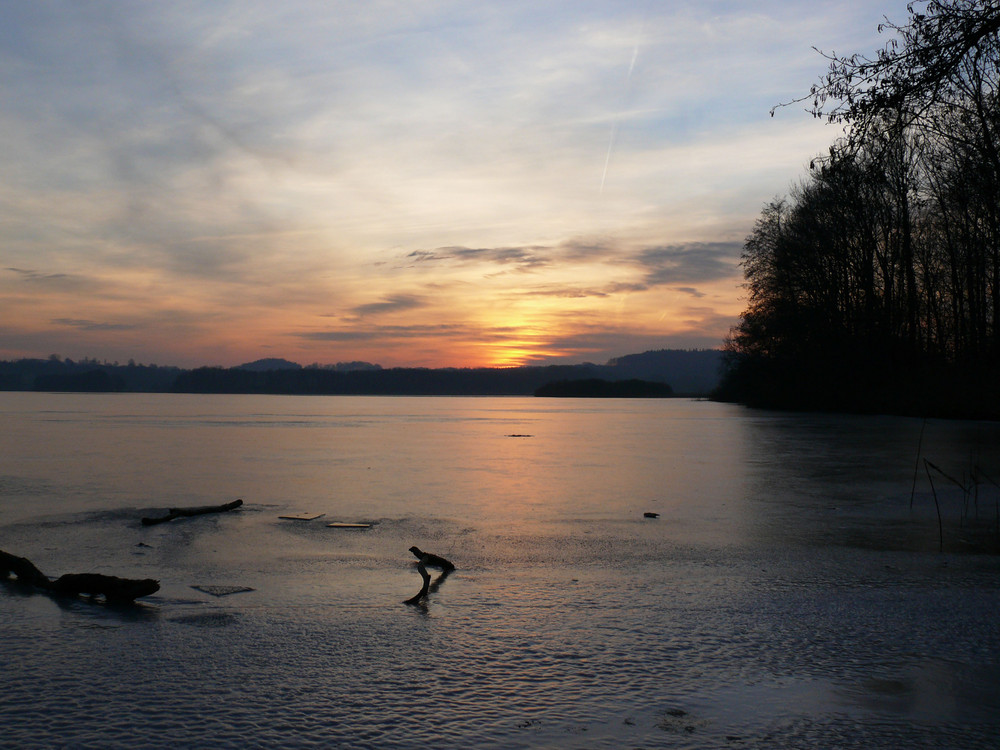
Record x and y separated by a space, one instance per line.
937 506
979 470
916 463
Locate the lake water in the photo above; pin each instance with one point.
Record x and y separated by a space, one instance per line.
788 595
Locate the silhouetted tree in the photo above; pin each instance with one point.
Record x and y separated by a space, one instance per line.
946 50
876 284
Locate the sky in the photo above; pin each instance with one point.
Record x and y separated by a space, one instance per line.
429 184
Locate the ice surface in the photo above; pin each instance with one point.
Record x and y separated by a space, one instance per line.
787 597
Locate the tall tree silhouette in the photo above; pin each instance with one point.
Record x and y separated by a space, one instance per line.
876 284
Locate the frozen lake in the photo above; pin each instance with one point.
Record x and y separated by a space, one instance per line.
788 595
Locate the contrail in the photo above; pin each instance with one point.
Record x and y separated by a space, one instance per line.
607 159
631 65
614 127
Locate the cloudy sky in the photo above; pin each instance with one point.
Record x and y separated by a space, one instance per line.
426 183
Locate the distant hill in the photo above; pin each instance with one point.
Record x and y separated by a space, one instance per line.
267 365
276 363
688 371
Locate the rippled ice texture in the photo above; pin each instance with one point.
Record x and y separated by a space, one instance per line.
787 596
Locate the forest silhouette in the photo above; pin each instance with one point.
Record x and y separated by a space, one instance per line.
688 372
874 286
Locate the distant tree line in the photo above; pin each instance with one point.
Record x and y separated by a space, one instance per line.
84 375
697 370
405 381
875 285
599 388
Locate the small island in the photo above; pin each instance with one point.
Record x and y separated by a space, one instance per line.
597 388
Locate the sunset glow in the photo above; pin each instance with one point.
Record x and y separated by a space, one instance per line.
410 184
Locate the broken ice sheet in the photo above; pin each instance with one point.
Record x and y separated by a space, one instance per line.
215 590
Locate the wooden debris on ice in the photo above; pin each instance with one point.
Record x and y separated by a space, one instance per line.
173 513
426 560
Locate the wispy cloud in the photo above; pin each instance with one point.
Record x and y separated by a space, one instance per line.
41 282
395 303
578 292
38 277
90 325
690 262
215 174
690 290
524 257
385 333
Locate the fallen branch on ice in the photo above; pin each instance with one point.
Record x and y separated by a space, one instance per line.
173 513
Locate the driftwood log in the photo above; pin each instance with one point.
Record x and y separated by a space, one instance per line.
173 513
112 588
428 560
